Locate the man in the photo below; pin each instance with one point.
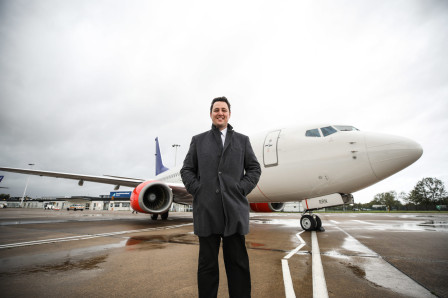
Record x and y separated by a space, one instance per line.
219 170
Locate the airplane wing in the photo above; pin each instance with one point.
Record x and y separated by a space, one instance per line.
180 193
118 181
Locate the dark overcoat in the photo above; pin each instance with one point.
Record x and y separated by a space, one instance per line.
219 179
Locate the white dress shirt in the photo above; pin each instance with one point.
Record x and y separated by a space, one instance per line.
223 135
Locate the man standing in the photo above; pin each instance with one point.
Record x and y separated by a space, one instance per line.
219 170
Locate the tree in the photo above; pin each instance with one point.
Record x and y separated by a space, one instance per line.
405 198
428 192
4 197
388 199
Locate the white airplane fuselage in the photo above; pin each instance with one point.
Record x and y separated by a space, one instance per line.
297 167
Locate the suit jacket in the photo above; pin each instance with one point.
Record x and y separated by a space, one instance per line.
219 178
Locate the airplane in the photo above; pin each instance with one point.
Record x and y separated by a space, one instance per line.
318 165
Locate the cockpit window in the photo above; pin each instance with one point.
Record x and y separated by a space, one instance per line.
312 133
326 131
346 128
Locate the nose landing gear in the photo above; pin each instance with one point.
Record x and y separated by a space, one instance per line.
311 222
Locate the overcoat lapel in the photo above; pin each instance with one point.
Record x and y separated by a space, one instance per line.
217 136
228 139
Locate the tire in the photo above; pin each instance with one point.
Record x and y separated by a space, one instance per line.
308 223
164 216
154 216
318 222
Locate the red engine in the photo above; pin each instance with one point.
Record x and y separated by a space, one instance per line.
152 197
267 207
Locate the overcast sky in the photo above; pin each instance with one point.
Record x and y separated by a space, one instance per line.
86 86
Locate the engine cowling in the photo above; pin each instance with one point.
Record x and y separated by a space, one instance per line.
152 197
267 207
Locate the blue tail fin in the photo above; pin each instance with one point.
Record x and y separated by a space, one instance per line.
160 168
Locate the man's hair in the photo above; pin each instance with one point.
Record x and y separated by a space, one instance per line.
222 98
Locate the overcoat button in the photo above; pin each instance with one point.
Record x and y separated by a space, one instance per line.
217 191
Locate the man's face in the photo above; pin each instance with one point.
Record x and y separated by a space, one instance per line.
220 114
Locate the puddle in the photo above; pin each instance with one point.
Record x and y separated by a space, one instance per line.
358 271
351 244
250 244
294 223
368 265
9 264
437 225
160 241
434 225
67 265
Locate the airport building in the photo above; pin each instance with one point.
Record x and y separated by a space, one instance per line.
115 201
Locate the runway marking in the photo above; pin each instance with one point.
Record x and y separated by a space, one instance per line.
319 283
289 289
364 222
88 236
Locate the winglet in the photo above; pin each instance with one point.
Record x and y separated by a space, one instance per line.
160 168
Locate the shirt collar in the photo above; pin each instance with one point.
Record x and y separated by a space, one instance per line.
224 132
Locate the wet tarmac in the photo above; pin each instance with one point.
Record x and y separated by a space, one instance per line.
47 253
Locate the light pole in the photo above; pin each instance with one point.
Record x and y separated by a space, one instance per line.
26 185
175 154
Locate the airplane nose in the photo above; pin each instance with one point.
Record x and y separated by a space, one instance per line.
390 154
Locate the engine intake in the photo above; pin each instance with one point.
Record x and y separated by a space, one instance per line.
267 207
152 197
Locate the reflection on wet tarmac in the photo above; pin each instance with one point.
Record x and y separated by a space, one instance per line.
250 244
367 264
435 225
439 226
284 222
67 265
159 241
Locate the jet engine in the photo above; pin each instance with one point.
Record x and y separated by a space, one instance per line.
267 207
152 197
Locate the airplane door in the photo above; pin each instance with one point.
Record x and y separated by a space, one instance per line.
270 154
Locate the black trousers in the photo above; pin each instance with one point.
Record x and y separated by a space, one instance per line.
236 262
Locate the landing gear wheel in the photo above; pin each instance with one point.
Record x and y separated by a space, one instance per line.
154 216
318 223
164 216
307 223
